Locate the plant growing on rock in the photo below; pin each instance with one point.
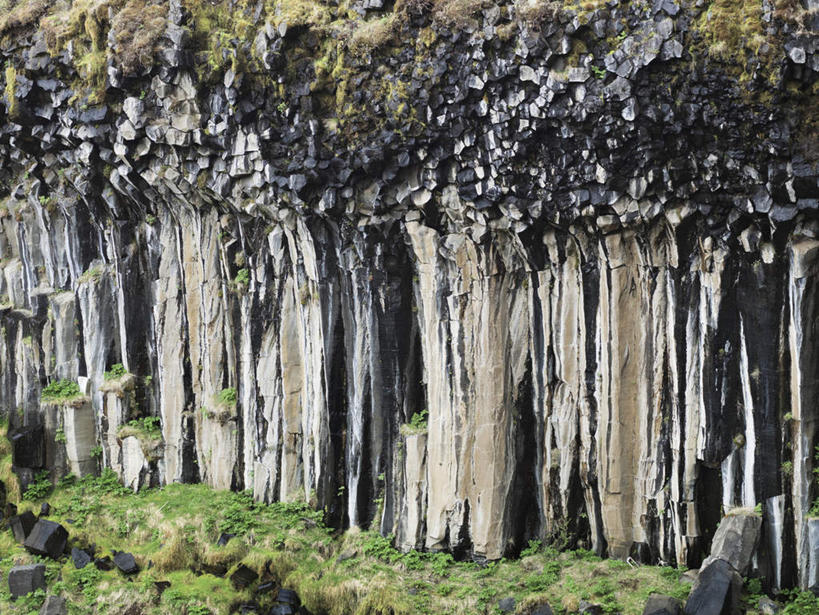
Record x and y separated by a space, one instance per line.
61 390
116 372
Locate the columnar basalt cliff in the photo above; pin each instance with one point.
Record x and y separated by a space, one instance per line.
468 273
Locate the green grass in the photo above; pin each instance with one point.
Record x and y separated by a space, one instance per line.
61 390
176 528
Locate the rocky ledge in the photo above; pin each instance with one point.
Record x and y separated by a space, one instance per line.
468 273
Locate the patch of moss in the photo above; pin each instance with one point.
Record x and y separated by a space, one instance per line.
732 32
10 88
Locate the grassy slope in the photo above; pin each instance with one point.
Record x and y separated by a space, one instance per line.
176 528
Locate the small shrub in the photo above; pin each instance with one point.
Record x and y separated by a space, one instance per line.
61 390
116 372
59 436
39 488
227 397
242 277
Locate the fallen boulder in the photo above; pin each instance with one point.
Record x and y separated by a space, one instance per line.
21 525
26 579
716 591
47 538
736 539
104 563
80 558
125 562
658 604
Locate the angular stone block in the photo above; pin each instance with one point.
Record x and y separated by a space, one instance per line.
735 540
47 538
125 562
716 592
28 447
80 558
22 524
25 579
658 604
54 605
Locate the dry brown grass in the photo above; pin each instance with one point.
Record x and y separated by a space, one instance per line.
23 15
457 14
373 34
137 29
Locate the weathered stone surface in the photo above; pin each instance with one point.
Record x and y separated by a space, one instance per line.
657 604
47 538
25 579
54 605
80 557
716 592
21 525
736 539
125 562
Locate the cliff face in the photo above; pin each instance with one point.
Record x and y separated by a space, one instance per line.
504 272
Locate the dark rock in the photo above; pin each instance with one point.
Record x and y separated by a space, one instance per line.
125 562
104 563
506 605
217 570
589 609
659 604
282 609
22 524
80 558
26 579
28 450
716 591
47 538
288 596
54 605
45 509
542 609
10 510
224 538
263 588
161 586
243 577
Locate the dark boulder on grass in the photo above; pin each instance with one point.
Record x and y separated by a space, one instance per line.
104 563
659 604
125 562
506 605
288 596
542 609
80 558
243 577
224 538
21 525
26 579
45 509
716 592
47 538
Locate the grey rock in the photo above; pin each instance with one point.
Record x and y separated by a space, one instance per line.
797 54
125 562
21 525
735 541
768 606
54 605
658 604
506 605
80 558
25 579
